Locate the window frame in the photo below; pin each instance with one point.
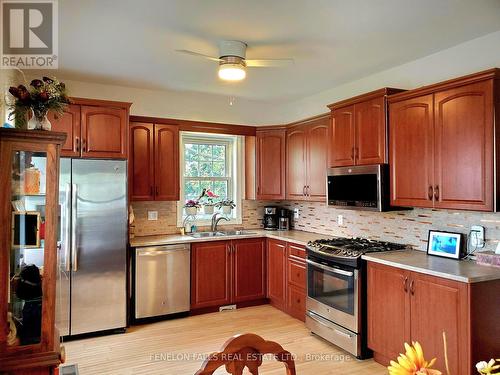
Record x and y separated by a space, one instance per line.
234 152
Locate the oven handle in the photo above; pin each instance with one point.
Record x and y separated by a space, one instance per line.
331 269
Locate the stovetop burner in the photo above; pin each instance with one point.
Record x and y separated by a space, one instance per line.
348 251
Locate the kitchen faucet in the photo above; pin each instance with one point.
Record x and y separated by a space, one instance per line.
216 220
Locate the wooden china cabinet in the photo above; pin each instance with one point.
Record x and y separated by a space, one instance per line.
29 173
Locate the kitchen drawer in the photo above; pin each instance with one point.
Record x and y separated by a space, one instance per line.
296 251
296 302
297 273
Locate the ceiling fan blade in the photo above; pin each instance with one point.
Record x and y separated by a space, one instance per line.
197 54
263 63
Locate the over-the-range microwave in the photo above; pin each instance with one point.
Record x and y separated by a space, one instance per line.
362 187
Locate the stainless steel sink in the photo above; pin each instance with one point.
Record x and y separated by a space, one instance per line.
221 233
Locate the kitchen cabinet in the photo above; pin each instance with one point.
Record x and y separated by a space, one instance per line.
296 277
28 292
226 272
442 144
404 306
276 273
94 128
358 131
270 164
154 162
306 160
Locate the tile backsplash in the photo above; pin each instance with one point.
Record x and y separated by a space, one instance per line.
409 226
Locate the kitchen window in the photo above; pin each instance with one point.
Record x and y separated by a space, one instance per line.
210 162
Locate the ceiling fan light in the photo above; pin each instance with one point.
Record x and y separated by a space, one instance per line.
232 72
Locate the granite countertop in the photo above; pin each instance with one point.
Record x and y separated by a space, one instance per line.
295 236
465 271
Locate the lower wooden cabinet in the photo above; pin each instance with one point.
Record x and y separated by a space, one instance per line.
286 269
226 272
408 306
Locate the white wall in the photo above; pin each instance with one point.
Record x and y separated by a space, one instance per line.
469 57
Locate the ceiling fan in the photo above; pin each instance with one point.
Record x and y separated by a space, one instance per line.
233 62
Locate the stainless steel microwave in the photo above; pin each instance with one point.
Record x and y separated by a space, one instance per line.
361 187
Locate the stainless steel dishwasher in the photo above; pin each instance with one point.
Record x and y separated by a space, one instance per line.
162 280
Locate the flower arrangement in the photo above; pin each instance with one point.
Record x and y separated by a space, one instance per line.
42 96
487 368
412 362
225 203
192 203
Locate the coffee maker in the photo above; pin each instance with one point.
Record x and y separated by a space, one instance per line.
270 218
283 219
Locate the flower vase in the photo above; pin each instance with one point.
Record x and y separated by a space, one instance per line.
226 210
191 210
209 210
39 123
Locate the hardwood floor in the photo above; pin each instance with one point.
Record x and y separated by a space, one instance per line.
179 346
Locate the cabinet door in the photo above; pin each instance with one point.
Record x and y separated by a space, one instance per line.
370 145
271 164
210 274
317 161
296 302
68 123
104 132
296 146
439 305
342 137
141 161
166 162
249 267
388 310
411 152
464 147
276 273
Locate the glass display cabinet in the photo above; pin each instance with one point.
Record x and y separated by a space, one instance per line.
29 173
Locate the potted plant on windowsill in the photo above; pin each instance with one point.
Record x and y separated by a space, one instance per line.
226 206
208 201
191 207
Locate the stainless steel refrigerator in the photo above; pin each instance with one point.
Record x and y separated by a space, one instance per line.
91 288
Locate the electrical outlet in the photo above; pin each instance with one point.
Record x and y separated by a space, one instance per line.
340 220
477 236
295 213
152 215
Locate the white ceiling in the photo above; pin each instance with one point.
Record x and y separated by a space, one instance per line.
132 42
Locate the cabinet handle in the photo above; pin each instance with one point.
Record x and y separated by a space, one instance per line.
405 284
77 140
84 145
304 191
352 153
430 192
308 191
412 287
436 192
356 152
157 191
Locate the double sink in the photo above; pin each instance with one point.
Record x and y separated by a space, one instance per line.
221 233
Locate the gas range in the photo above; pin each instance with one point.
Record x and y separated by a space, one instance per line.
348 251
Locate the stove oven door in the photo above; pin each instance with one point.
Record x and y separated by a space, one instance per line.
333 293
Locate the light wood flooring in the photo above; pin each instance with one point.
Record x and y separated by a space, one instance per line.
178 346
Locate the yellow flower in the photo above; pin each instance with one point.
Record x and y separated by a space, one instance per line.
487 368
412 363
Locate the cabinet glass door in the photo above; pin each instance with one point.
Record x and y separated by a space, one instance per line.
28 187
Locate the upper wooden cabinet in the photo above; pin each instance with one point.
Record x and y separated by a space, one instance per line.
306 160
358 131
442 144
94 128
154 162
270 164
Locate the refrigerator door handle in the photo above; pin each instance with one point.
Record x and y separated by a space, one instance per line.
67 234
74 249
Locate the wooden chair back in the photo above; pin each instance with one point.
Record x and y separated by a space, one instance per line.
246 350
